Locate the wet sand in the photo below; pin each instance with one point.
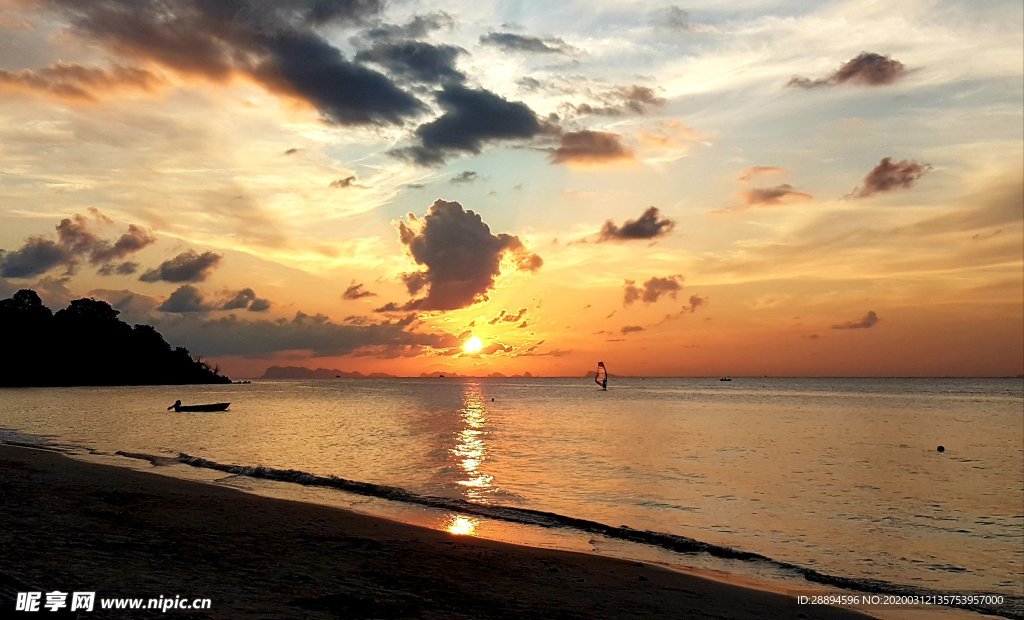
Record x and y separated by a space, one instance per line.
75 526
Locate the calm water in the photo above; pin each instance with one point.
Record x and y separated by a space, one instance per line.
841 476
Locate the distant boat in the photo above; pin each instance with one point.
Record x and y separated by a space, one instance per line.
725 379
177 406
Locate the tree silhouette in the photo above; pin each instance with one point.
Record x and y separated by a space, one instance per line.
86 344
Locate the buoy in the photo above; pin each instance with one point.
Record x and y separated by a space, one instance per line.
941 448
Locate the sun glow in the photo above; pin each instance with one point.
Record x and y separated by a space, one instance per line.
473 345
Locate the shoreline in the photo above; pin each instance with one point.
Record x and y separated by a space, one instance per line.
75 525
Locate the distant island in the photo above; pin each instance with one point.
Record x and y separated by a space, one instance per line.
301 372
86 344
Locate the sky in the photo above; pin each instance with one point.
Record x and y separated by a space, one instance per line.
761 187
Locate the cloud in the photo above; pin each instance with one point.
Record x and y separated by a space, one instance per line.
888 176
629 329
507 317
239 300
259 305
467 176
617 102
675 18
318 334
416 28
770 196
868 69
185 299
185 267
749 173
76 240
649 226
471 118
590 147
416 61
126 268
869 320
652 289
512 42
77 83
274 44
356 291
349 181
460 255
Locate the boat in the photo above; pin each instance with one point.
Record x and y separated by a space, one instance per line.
725 379
178 407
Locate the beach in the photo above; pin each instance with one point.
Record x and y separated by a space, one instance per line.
74 526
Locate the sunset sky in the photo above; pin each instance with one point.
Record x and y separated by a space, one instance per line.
764 187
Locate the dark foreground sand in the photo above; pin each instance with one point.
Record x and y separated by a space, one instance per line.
75 526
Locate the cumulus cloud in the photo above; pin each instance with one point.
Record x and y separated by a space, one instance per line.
868 69
76 240
460 255
356 291
888 176
185 299
245 299
273 43
650 225
590 147
349 181
77 83
185 267
869 320
617 102
416 28
471 119
416 61
652 290
509 41
771 196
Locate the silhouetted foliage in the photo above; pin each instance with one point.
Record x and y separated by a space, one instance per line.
86 344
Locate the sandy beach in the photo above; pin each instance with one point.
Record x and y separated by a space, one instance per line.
77 526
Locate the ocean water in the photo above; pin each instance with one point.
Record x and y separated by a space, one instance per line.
833 477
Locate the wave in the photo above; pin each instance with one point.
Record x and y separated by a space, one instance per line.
1013 606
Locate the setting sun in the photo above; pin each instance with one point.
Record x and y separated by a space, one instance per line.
473 345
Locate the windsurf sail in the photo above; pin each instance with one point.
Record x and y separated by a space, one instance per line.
601 378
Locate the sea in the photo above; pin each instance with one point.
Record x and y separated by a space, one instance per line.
903 487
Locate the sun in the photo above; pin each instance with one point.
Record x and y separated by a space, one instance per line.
473 345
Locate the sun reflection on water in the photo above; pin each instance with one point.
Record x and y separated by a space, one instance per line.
471 447
461 525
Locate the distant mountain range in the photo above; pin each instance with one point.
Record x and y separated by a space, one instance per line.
301 372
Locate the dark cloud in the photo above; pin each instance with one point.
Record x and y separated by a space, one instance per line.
184 300
696 302
471 118
617 102
291 151
675 18
590 147
652 290
512 42
75 82
349 181
529 83
259 305
467 176
869 320
239 300
317 334
770 196
356 291
185 267
76 240
416 61
888 176
508 317
460 255
416 28
867 69
629 329
650 225
271 42
126 268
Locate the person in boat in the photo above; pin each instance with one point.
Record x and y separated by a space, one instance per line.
176 406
